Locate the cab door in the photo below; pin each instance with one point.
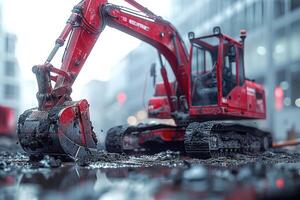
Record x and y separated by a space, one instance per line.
233 77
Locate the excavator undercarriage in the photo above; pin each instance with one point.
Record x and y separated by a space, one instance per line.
198 139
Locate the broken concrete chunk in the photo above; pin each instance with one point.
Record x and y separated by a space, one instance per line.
50 162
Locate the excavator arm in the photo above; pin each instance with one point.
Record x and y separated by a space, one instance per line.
86 23
60 126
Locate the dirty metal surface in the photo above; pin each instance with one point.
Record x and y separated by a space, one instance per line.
167 175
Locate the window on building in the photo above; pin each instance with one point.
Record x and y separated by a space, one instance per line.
258 13
280 47
11 91
260 80
283 85
281 76
279 8
9 44
251 17
244 22
295 40
295 4
240 21
10 68
234 24
262 11
233 1
213 8
295 88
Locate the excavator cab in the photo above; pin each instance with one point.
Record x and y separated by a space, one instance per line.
218 86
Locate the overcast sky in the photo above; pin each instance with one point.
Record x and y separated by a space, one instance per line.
37 24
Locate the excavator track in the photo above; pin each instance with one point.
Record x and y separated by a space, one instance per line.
196 139
215 139
113 141
127 139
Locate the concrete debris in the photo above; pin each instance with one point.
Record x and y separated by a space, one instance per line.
50 162
195 173
2 165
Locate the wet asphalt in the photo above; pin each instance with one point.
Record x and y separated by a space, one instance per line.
168 175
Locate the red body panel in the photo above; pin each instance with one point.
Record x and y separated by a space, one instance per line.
165 134
7 121
161 91
241 103
159 108
168 135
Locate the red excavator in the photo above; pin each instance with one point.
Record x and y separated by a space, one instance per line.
7 121
208 97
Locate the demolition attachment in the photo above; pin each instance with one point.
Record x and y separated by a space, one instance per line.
59 126
63 131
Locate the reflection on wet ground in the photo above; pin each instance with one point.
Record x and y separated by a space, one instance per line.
74 182
273 175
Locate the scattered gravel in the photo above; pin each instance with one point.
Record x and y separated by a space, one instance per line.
166 175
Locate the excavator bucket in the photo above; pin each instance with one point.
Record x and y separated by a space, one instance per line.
64 131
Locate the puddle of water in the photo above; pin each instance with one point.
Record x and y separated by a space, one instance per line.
83 183
162 176
75 182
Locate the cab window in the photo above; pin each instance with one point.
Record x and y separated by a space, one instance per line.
203 75
229 69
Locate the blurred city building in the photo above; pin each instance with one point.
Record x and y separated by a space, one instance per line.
125 95
131 79
272 57
9 69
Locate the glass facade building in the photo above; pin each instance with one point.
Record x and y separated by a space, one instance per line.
9 69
